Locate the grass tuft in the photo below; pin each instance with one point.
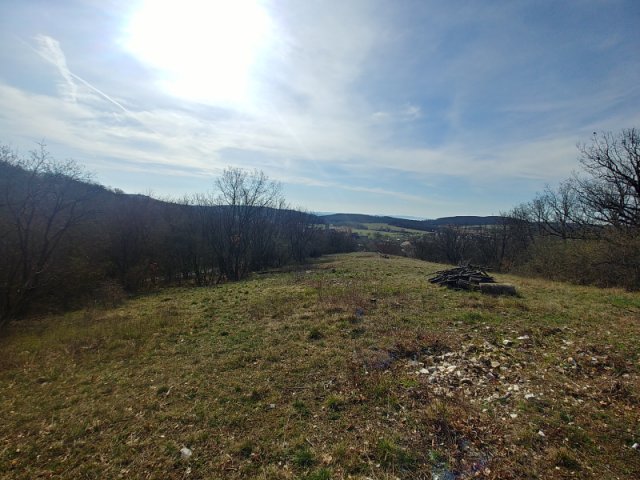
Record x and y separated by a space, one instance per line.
303 458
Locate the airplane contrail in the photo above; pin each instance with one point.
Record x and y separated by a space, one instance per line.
59 61
61 64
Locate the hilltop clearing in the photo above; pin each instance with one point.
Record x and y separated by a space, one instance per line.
353 367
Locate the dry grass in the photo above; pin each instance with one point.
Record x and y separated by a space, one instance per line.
315 375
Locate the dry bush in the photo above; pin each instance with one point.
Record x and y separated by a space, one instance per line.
608 262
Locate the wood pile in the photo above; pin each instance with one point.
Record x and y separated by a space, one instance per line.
466 277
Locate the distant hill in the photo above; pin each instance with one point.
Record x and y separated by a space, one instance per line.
351 219
466 220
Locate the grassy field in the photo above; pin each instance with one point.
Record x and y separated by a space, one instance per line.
355 367
386 230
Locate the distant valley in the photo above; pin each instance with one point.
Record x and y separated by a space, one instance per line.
355 219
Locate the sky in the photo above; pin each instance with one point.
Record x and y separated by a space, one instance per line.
397 107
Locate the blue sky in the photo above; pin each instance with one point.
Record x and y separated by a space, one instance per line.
422 108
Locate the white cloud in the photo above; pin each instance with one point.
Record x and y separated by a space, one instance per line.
407 113
319 109
182 141
50 50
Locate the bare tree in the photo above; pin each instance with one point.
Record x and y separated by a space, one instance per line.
559 213
610 191
595 215
41 200
300 230
185 241
240 222
517 234
132 234
452 242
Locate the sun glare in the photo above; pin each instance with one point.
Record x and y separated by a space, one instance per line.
203 50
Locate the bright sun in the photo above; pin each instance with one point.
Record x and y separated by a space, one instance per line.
204 50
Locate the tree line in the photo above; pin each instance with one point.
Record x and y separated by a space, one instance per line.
586 230
65 240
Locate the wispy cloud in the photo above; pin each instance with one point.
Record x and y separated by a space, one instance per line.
363 97
49 49
406 113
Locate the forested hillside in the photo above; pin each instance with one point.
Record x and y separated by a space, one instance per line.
65 240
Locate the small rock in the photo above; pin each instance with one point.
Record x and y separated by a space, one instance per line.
414 363
524 337
423 371
185 453
513 415
635 446
507 343
541 433
495 364
529 396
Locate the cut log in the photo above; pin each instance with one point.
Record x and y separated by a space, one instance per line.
498 289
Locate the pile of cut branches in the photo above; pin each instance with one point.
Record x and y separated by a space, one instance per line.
466 277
